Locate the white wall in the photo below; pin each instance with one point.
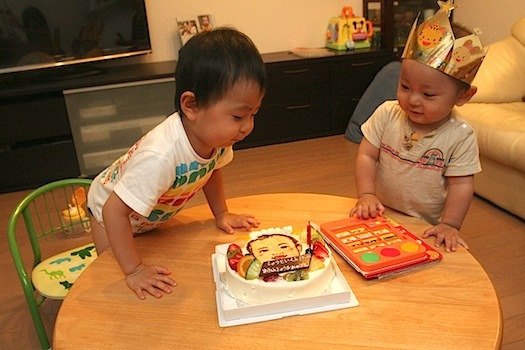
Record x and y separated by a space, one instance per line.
494 17
273 25
280 25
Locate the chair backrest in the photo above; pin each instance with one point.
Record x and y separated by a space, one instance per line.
47 213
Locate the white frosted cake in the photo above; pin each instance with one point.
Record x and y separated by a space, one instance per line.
278 264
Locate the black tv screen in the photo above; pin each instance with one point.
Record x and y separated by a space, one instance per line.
47 33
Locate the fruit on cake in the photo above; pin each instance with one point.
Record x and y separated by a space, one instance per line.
278 264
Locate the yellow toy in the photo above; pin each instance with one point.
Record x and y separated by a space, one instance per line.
348 32
74 218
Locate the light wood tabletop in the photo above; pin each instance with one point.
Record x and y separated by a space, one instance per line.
448 305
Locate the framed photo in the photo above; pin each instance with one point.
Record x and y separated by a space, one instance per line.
206 23
187 29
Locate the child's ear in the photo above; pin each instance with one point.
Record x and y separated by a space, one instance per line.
188 104
466 95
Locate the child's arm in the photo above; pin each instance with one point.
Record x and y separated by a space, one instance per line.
368 205
139 277
214 192
460 192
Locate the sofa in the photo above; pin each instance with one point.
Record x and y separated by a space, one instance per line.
497 114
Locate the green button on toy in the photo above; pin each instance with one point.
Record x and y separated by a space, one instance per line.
370 257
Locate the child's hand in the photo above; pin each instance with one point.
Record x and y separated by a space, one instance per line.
152 279
448 234
367 206
227 221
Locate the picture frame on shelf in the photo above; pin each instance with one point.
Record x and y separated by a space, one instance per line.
187 29
206 22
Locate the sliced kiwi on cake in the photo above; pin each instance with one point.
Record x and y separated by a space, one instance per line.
254 269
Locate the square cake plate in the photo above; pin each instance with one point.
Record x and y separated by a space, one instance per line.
232 312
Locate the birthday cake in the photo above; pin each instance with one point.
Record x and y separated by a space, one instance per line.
278 264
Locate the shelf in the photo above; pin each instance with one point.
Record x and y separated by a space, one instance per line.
395 16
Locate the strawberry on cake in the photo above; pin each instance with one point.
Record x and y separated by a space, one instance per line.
278 264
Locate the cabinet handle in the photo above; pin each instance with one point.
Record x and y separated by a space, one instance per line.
296 71
362 64
298 107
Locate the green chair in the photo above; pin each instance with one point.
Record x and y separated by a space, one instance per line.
54 216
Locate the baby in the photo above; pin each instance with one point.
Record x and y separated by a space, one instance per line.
220 83
416 156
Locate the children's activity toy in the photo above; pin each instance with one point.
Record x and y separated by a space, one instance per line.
348 31
377 247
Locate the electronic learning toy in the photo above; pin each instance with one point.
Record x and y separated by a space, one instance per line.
377 247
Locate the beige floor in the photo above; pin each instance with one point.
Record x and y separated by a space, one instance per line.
325 165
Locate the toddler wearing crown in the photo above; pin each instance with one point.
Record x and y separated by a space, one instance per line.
416 156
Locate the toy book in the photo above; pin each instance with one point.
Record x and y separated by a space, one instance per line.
377 247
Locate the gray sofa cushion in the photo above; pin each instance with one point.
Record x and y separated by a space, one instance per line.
381 89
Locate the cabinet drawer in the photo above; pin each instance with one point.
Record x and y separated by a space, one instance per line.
106 121
33 117
297 83
348 82
351 78
281 124
296 105
34 165
118 133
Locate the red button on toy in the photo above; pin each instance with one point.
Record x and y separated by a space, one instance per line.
391 252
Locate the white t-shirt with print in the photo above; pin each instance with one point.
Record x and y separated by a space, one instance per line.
413 179
157 176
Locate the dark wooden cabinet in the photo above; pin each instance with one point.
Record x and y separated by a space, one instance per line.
296 105
392 20
312 97
348 81
36 144
36 139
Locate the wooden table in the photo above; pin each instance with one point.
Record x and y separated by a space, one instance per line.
449 305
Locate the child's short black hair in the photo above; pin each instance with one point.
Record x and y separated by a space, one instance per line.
212 62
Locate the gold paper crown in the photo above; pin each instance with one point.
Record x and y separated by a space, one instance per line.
433 44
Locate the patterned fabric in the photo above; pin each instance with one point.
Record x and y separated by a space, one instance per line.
411 178
157 176
54 276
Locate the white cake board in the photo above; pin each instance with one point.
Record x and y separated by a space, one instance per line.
232 313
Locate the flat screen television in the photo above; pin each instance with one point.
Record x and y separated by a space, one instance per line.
37 34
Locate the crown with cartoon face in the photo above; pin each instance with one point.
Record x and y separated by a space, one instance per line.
433 44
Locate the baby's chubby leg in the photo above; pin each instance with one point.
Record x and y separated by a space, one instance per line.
100 237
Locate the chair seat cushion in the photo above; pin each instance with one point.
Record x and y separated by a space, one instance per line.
54 276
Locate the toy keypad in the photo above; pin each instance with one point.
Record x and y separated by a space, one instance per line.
374 244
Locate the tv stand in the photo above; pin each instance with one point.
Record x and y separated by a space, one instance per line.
67 72
36 144
80 76
41 137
